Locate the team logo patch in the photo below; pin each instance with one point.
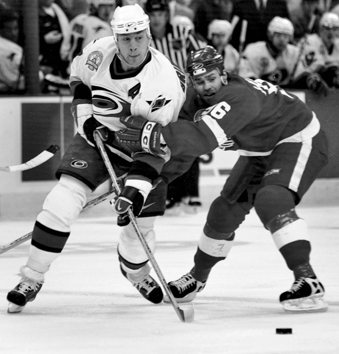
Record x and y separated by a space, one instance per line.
94 60
79 164
159 102
274 171
264 63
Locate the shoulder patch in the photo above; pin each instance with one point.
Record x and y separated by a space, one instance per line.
94 60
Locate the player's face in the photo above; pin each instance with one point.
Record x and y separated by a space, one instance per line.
105 12
207 85
219 39
158 20
328 34
280 41
133 48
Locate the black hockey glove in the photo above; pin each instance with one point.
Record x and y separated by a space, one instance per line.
132 197
317 84
140 135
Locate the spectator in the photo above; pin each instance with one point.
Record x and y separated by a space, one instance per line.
53 26
11 54
305 19
207 11
84 28
177 9
176 42
129 2
258 14
272 60
219 33
325 44
278 61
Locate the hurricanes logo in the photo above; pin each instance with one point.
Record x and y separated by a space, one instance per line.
94 60
79 164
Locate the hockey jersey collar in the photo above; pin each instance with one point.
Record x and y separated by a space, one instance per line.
117 73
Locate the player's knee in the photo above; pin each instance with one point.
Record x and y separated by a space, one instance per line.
64 203
290 235
224 217
272 201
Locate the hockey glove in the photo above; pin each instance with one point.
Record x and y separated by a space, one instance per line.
132 197
317 84
140 135
87 124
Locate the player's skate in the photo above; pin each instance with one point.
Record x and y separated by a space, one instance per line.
26 291
144 283
191 205
305 295
185 289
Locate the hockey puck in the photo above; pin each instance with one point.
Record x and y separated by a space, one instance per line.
283 330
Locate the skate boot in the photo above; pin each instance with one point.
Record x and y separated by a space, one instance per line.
26 291
185 289
305 295
191 205
144 283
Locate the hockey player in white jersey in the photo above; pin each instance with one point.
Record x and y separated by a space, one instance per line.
87 27
219 35
115 77
279 61
273 60
325 44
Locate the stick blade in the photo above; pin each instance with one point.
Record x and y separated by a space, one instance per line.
187 313
5 168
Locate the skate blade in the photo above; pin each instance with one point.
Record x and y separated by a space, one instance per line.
13 308
306 306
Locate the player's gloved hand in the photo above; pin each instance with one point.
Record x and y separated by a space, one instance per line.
132 197
317 84
140 135
87 124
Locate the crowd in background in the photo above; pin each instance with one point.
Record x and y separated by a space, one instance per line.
290 43
241 30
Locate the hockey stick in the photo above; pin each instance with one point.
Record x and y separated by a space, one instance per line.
28 236
186 315
34 162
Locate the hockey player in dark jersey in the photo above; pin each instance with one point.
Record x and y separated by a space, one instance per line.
282 149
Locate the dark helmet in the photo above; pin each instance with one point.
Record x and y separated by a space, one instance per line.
203 60
157 5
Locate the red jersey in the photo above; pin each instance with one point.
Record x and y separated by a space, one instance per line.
251 116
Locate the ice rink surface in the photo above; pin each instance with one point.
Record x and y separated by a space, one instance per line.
86 306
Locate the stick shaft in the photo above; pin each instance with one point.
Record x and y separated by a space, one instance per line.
28 236
144 243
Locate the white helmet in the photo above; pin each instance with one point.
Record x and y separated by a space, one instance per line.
280 25
219 27
329 19
97 3
130 19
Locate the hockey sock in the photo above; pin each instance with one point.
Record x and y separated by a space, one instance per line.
303 270
203 264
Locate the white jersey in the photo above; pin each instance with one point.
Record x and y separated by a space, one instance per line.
155 91
10 62
315 48
83 29
231 58
258 63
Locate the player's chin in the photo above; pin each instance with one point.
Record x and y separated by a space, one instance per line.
208 98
